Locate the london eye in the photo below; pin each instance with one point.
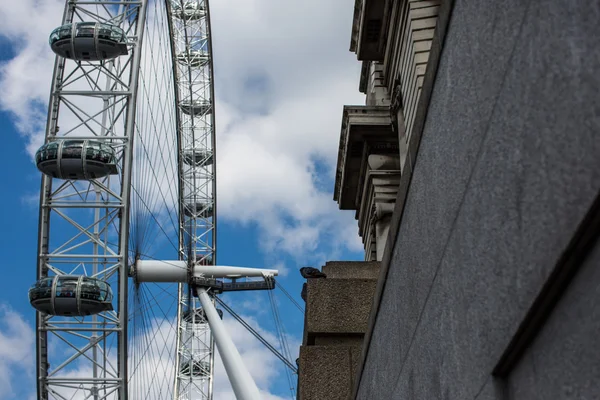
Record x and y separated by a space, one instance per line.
128 178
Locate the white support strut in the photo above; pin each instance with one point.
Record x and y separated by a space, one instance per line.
242 383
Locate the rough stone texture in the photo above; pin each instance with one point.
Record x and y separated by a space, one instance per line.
337 311
507 166
338 305
351 269
325 372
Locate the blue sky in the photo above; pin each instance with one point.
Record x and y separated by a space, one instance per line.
282 76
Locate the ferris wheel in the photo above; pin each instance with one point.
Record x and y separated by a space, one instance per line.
128 180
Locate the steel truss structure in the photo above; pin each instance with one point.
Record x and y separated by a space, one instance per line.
154 107
90 101
190 23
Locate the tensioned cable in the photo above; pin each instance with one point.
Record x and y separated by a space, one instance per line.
155 197
154 215
155 129
154 343
163 346
149 186
282 341
257 335
289 296
197 180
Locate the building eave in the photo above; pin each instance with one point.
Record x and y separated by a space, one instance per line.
360 125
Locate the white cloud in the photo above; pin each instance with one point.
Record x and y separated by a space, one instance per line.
25 78
283 74
267 175
16 355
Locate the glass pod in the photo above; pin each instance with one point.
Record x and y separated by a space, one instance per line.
198 210
89 41
76 159
189 10
195 58
196 108
197 157
199 368
71 295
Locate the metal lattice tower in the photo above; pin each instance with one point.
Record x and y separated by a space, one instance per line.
194 74
88 102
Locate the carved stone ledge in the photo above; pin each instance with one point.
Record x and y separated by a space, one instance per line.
365 130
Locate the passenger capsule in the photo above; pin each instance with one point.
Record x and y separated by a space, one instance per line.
198 315
199 368
197 107
76 159
197 157
194 59
89 41
191 10
71 295
198 210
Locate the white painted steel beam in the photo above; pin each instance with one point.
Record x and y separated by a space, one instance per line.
177 271
242 383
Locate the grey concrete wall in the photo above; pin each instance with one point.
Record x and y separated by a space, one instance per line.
327 372
338 306
337 311
508 164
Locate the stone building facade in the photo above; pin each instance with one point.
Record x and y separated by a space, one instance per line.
392 39
336 316
373 153
485 118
